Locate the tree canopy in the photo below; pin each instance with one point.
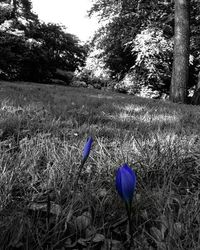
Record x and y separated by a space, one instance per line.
32 50
137 38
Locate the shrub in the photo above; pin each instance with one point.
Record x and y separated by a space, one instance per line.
89 78
128 84
64 75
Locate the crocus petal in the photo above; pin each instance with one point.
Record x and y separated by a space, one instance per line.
125 182
87 147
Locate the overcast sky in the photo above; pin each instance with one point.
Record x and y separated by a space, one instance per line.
71 13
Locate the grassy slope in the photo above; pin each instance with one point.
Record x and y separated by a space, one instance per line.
43 129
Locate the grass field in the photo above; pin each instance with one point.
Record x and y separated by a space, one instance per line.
43 129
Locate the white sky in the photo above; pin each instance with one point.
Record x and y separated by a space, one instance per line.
71 13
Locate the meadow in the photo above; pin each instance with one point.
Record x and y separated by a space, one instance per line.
43 129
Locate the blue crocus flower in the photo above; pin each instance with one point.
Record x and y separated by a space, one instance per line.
87 148
126 183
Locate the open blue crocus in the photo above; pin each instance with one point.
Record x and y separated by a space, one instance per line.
126 183
87 148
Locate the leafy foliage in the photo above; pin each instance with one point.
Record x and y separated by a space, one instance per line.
154 56
50 48
33 51
63 49
11 50
124 31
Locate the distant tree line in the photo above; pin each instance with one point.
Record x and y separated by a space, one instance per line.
34 51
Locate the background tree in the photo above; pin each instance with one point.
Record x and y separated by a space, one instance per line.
31 50
144 32
19 12
15 16
51 49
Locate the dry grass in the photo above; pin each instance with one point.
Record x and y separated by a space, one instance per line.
43 129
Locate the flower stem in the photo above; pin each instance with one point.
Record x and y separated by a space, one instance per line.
79 174
130 229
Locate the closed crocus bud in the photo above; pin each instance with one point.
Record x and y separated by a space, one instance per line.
126 183
87 148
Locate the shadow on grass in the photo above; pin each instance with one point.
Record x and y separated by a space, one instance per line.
106 110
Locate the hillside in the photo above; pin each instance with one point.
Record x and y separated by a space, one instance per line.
43 129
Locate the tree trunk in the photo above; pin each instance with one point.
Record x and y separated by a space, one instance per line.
180 71
198 83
